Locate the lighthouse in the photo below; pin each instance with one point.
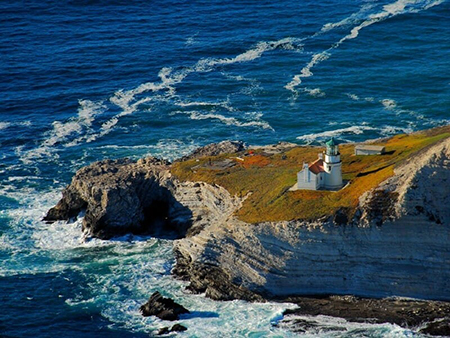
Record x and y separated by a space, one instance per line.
323 173
332 166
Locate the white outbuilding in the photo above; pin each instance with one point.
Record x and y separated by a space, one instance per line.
366 149
323 173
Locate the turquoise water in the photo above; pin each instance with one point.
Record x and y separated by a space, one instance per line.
88 80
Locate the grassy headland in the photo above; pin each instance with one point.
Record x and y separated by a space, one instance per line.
268 177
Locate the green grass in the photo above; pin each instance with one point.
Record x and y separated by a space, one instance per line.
267 178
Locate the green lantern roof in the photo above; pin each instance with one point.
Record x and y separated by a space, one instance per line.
331 143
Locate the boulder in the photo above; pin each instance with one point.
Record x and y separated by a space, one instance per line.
178 328
163 308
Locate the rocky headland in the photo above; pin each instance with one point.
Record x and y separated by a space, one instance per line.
394 241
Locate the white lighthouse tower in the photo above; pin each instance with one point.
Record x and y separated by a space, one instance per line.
322 173
332 165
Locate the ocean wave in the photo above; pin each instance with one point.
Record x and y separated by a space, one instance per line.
196 115
169 149
355 130
385 130
4 125
388 104
354 97
306 71
314 92
223 104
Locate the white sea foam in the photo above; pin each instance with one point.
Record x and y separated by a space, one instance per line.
223 104
4 125
205 65
191 40
314 92
385 130
169 149
352 19
392 130
353 96
355 130
389 104
65 133
257 122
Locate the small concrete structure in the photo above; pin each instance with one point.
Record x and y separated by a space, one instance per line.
365 149
322 173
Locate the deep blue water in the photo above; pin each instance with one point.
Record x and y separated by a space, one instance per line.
86 80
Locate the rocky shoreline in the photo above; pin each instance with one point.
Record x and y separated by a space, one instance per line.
428 317
397 244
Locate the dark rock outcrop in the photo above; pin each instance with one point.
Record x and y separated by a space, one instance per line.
123 196
178 328
163 308
214 149
213 281
433 317
175 328
164 330
440 327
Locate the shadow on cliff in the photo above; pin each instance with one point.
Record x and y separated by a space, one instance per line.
159 215
165 217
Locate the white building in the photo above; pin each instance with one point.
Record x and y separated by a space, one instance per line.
323 173
365 149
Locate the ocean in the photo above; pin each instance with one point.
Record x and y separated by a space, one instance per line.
85 80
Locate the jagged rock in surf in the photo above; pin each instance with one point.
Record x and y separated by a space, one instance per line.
163 308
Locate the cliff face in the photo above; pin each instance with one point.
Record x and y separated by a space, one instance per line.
397 243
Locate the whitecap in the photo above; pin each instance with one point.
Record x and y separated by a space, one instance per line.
4 125
222 104
306 71
314 92
355 130
393 130
389 104
353 96
257 122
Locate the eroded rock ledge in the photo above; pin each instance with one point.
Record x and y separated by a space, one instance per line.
398 242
